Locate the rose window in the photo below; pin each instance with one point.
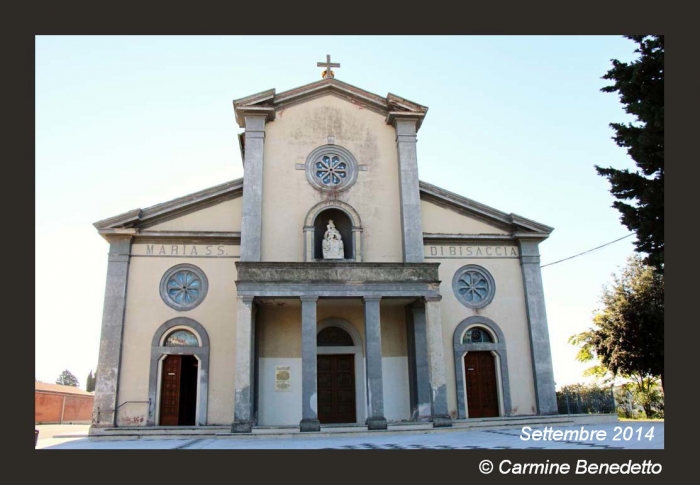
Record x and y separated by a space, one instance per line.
183 287
331 170
473 286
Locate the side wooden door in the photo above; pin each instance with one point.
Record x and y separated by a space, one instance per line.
480 376
170 391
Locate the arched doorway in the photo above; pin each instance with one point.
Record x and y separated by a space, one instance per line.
481 369
335 378
179 374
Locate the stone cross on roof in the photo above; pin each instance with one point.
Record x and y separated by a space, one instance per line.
328 64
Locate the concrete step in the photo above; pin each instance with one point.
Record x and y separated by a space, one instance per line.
224 432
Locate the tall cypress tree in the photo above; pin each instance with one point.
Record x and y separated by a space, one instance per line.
640 85
90 384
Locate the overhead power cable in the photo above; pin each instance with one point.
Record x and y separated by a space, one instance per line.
589 251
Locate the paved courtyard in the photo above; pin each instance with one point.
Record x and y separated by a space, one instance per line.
622 435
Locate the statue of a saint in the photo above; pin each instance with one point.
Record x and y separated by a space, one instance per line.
332 243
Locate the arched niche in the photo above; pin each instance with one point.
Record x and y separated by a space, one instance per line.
347 222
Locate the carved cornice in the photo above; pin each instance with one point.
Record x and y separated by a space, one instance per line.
269 102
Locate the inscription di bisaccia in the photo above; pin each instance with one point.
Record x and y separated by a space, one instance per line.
471 251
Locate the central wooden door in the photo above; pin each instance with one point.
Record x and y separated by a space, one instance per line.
336 388
480 376
178 391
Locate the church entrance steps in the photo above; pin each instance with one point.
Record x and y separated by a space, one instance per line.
397 428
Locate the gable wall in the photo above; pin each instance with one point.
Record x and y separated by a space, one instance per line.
224 216
288 196
507 310
441 220
146 312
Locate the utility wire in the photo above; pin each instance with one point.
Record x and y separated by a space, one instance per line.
589 251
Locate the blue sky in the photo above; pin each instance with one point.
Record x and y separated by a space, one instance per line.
514 122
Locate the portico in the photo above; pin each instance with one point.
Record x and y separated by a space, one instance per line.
408 284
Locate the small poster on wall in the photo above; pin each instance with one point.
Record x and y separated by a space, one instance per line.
283 378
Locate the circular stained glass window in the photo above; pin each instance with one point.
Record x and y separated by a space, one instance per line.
473 286
183 287
331 167
331 170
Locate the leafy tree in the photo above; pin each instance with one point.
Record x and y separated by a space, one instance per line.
67 379
646 392
90 384
640 85
628 338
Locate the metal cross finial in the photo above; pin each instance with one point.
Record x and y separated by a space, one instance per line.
328 64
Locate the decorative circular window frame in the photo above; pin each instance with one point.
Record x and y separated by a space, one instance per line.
485 274
330 150
180 306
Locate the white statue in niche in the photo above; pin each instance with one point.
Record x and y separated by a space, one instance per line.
332 243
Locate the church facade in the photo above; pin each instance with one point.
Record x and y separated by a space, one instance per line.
328 285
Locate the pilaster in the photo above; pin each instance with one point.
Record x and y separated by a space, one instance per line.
109 362
251 221
545 390
436 362
411 224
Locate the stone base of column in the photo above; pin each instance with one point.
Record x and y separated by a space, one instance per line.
242 427
443 421
376 423
102 425
309 425
423 413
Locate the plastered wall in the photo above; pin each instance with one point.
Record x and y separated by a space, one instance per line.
288 196
146 312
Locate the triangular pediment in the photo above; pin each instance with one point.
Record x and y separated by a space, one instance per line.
485 221
160 217
270 102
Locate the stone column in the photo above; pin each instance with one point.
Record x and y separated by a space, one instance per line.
357 243
309 414
411 224
251 222
436 362
420 341
373 356
545 391
242 417
308 243
109 362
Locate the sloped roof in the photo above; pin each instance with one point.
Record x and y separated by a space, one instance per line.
519 225
269 102
59 388
130 222
126 222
